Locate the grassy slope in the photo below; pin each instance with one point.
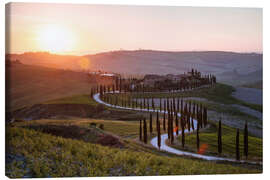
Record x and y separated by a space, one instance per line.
27 85
42 155
257 85
76 99
221 93
209 137
25 145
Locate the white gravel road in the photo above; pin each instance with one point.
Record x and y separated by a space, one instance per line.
164 146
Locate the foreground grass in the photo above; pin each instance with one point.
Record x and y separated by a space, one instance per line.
209 137
40 155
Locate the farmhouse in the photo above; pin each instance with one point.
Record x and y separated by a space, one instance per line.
152 79
99 77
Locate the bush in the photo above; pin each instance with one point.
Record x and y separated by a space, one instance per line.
101 126
93 124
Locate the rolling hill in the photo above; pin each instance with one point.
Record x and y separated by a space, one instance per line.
227 66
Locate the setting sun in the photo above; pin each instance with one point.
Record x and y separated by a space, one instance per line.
55 39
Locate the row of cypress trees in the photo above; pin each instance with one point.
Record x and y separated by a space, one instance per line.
134 85
171 130
174 122
237 140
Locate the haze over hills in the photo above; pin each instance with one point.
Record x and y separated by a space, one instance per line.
227 66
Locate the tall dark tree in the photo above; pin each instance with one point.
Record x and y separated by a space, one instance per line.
150 124
140 130
171 127
160 104
144 105
176 124
158 133
169 124
165 105
157 119
148 104
178 105
153 104
164 121
144 131
183 131
181 107
198 137
136 102
204 116
246 140
237 145
192 123
219 137
188 121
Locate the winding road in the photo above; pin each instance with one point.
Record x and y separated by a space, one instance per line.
164 146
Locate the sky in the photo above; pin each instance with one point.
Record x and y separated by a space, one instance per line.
86 29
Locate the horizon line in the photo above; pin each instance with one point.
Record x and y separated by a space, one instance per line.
126 50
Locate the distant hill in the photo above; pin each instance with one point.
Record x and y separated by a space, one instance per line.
228 66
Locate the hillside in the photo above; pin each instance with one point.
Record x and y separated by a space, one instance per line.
227 66
29 84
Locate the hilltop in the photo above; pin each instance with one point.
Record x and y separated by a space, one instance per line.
227 66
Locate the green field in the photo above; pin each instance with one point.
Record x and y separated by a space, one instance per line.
209 137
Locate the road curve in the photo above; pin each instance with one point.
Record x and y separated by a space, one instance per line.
163 145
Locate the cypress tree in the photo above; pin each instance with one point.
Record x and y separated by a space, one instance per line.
188 121
192 123
157 119
183 132
164 121
148 104
160 104
169 124
174 105
176 123
198 137
144 103
92 93
181 107
204 116
168 105
246 140
153 104
237 145
164 105
158 132
172 137
219 138
150 124
140 130
145 131
178 105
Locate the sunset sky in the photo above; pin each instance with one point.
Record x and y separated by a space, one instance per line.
85 29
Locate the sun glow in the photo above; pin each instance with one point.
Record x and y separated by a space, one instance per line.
55 38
